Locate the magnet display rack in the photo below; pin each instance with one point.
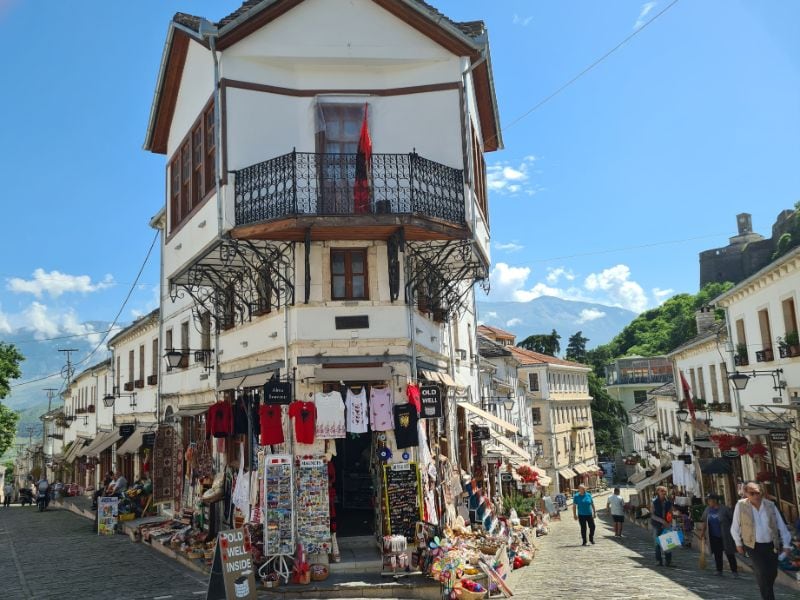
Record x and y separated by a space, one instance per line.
313 518
278 509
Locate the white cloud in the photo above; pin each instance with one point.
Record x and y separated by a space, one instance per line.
646 8
590 314
523 21
71 325
553 275
56 283
513 322
492 315
660 295
5 326
37 318
509 247
616 285
505 179
610 287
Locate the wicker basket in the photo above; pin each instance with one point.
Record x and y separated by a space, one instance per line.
467 595
319 572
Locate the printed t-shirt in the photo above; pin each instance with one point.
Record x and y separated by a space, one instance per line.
380 405
330 416
405 426
714 525
357 415
412 393
219 422
239 417
305 416
271 424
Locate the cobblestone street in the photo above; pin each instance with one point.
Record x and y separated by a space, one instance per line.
623 568
56 554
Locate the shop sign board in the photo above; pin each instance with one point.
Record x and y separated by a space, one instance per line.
278 392
402 498
731 454
232 573
506 477
480 434
107 515
126 430
779 436
149 440
431 397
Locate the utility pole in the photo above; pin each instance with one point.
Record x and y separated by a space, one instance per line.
68 369
51 392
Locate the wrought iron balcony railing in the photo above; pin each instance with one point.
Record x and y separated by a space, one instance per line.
308 184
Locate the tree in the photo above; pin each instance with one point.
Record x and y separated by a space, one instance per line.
608 417
543 343
576 348
10 358
8 427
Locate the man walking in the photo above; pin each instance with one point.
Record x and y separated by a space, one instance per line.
616 506
759 529
660 519
8 493
583 511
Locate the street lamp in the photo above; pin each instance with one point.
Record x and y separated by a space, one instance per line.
508 403
175 357
740 379
682 415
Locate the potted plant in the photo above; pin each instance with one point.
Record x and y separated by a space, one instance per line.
764 476
699 403
740 359
789 345
518 502
715 407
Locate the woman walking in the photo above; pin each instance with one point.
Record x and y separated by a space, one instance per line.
716 521
660 519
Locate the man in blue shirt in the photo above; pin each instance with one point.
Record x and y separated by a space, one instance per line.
583 511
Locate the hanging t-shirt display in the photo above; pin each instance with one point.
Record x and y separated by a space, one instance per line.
380 408
412 393
305 416
239 417
269 416
330 416
219 422
357 415
405 426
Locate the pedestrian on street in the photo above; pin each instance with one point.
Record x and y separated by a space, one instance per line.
8 493
583 511
716 521
758 529
616 506
660 519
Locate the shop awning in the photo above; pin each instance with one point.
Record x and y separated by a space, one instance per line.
637 476
544 480
101 442
230 384
132 444
190 411
567 473
438 377
715 466
488 416
653 479
580 468
704 444
257 380
509 444
76 447
352 374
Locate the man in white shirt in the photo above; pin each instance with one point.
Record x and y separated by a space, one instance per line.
616 506
758 527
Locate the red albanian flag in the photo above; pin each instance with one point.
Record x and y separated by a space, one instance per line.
363 163
687 395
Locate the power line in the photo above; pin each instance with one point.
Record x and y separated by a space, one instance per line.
113 323
60 337
564 86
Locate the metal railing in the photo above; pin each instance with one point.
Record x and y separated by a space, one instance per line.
307 184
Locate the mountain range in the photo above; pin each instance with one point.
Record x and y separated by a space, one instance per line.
598 322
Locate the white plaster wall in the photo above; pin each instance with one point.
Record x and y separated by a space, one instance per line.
195 234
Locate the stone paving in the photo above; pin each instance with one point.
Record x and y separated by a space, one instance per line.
56 554
623 568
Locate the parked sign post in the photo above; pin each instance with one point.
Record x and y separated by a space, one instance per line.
232 575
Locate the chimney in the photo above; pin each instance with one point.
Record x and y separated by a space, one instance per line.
744 222
705 319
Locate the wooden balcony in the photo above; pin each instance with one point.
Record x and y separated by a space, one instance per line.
288 196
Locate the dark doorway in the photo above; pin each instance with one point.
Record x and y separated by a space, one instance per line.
354 465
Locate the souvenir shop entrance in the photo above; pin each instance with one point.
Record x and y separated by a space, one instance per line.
353 468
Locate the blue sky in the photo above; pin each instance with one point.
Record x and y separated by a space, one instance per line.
606 193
